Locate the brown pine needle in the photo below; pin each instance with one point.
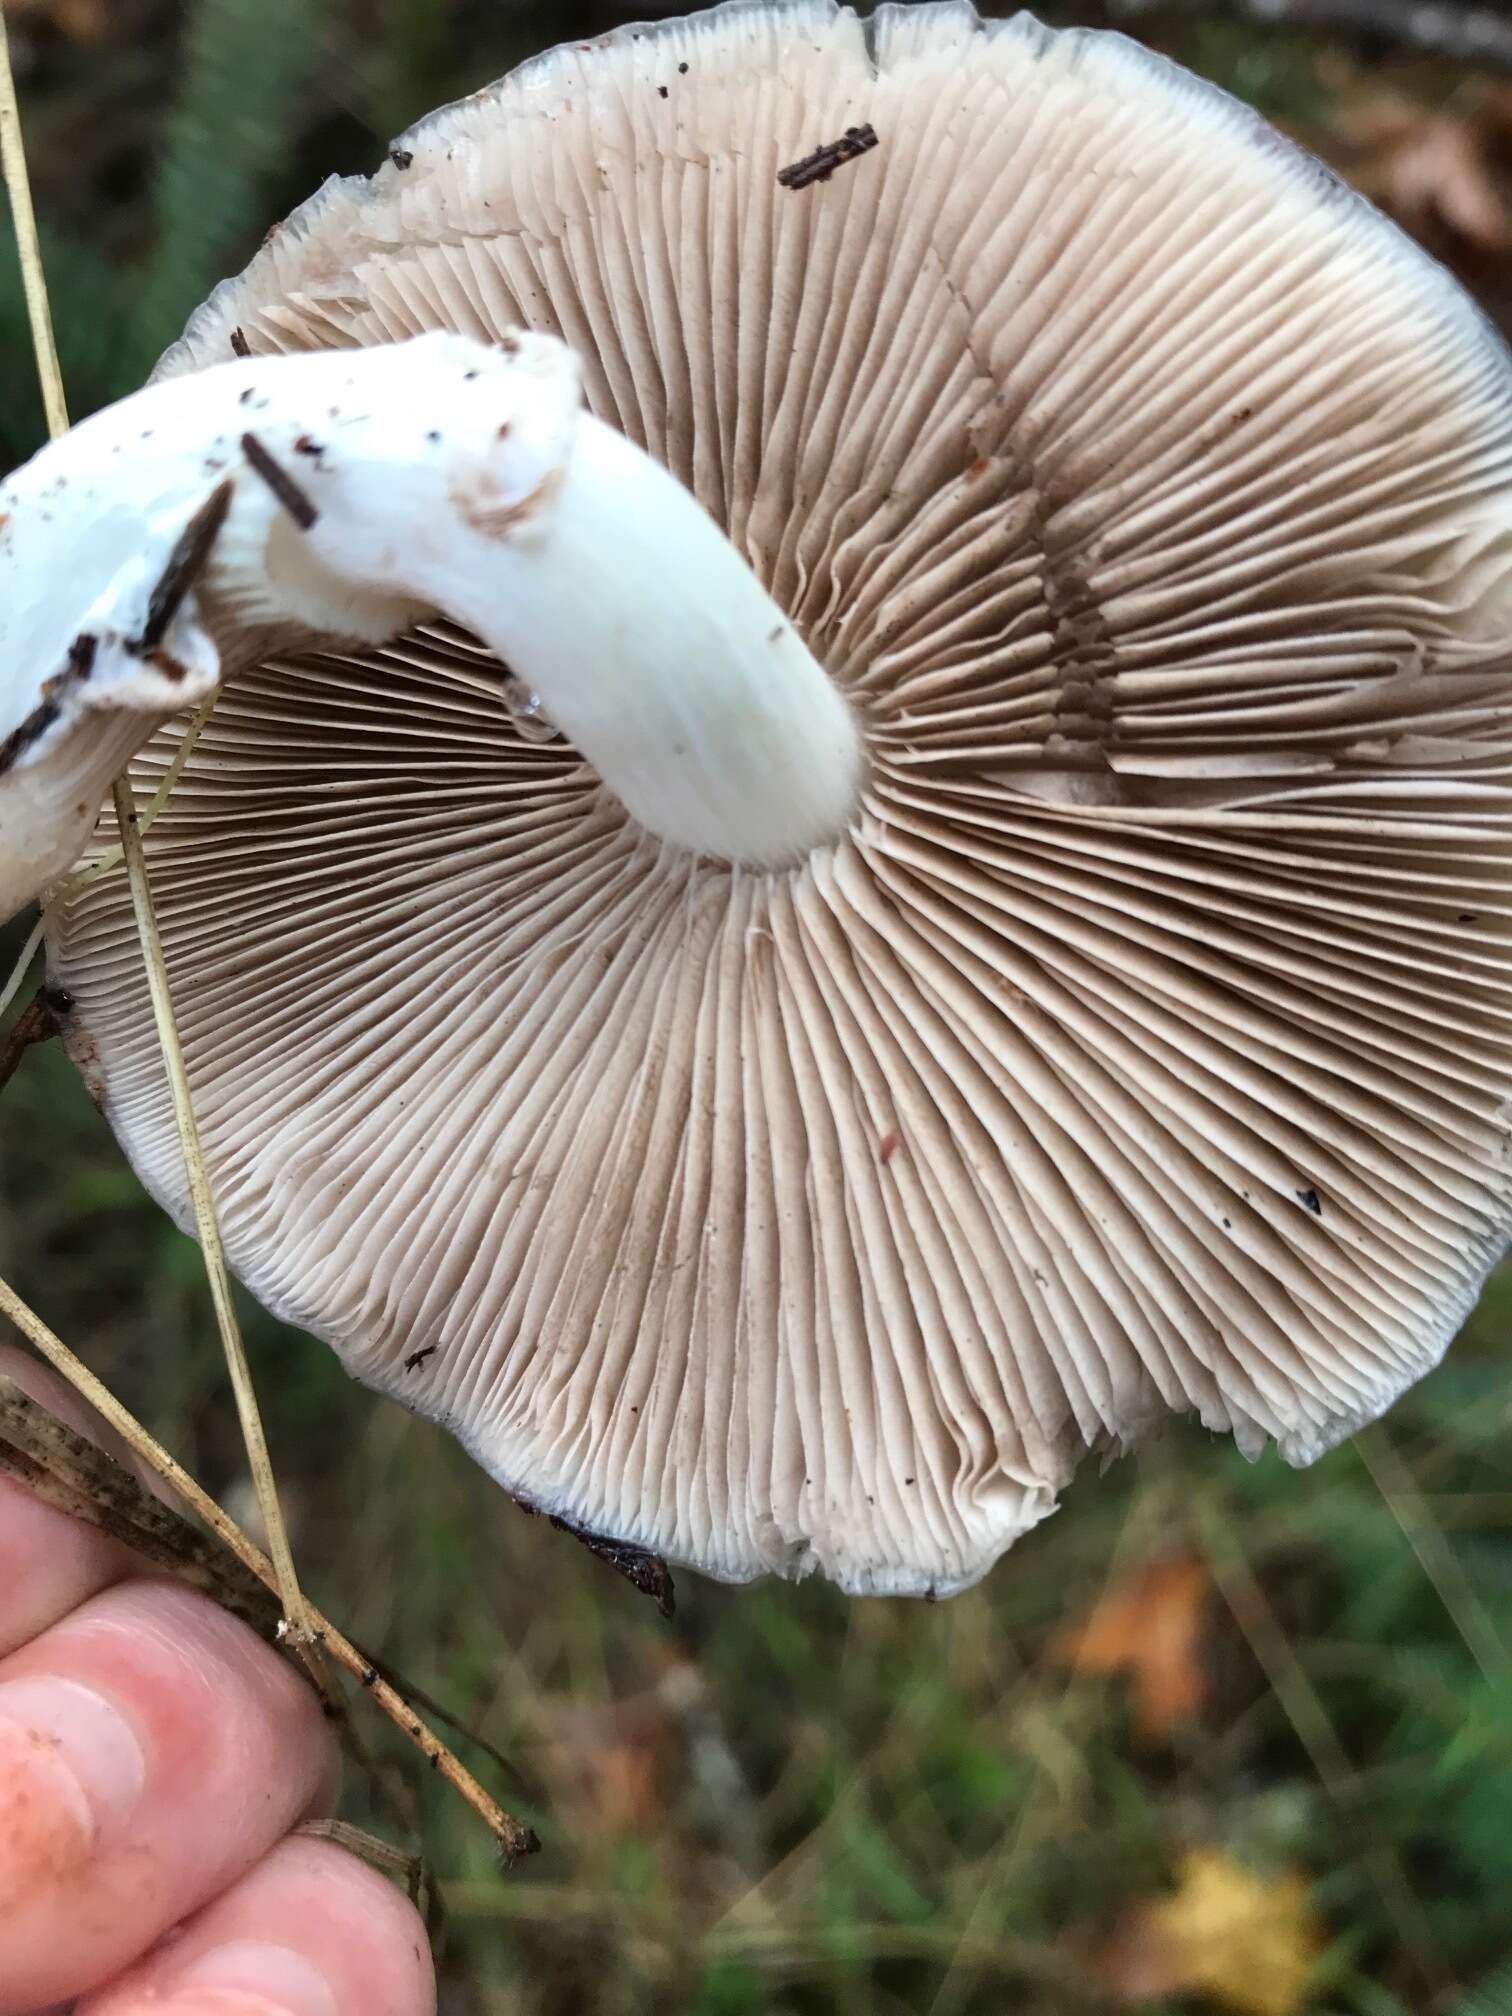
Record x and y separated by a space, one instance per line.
34 279
83 1480
76 1476
114 856
22 967
211 1248
28 247
1453 1587
513 1836
311 1631
380 1855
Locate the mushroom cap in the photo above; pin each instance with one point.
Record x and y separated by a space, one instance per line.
1143 1047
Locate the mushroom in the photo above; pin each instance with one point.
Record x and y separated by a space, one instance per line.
786 1127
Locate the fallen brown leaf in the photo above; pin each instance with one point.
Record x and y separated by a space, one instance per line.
1149 1626
1248 1942
75 20
1446 174
657 1763
608 1765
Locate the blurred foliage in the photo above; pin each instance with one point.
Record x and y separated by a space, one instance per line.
782 1802
166 138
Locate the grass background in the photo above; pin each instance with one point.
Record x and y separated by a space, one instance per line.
779 1801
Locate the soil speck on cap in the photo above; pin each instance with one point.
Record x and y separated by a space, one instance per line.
401 157
45 1833
239 344
497 518
661 91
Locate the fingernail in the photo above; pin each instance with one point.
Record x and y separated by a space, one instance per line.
78 1769
274 1978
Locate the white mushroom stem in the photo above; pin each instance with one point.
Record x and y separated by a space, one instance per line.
657 651
344 495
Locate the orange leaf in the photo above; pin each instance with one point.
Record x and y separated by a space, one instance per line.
1150 1627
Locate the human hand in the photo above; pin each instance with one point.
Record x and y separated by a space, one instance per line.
154 1756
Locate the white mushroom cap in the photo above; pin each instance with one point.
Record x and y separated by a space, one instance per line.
1141 1045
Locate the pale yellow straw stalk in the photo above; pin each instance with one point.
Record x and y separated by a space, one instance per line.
34 280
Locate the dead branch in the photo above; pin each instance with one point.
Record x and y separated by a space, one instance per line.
1478 35
35 1024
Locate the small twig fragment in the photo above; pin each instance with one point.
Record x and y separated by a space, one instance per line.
280 482
822 163
80 1478
35 1024
185 565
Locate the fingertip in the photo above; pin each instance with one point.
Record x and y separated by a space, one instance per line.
311 1931
157 1749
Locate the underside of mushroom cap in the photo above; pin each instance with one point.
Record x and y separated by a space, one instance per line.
1144 1046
